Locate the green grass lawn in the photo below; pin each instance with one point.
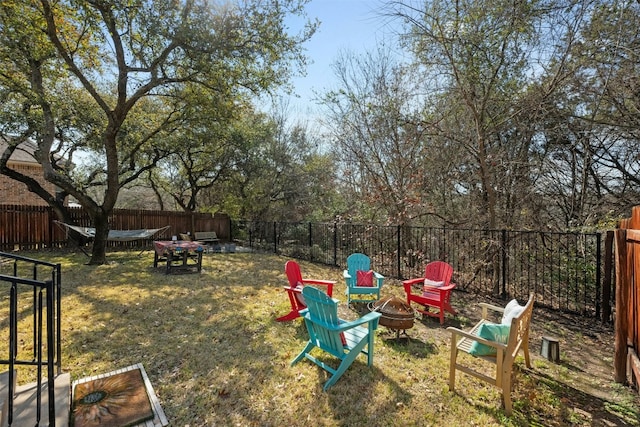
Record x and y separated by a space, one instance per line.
216 356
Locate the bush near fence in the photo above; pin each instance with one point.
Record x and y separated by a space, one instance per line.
564 270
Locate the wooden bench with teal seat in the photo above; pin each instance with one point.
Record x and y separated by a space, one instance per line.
496 343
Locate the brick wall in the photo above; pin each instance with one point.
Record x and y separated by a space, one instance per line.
15 192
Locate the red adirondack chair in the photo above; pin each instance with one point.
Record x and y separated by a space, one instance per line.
436 290
294 290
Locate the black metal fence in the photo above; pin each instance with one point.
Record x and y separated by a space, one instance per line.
564 270
32 289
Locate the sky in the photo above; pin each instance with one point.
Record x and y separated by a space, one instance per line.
345 25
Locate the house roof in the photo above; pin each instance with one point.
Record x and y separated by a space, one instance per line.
24 153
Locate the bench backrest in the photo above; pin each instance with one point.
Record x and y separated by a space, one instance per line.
519 331
205 235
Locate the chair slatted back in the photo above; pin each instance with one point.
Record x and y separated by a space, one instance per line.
519 332
438 271
357 261
323 311
292 270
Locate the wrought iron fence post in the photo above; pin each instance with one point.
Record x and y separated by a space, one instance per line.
50 348
399 248
58 301
598 276
13 345
275 237
38 358
606 280
335 243
503 251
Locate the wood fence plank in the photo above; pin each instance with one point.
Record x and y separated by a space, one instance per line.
32 227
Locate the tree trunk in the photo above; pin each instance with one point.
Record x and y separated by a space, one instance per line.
98 253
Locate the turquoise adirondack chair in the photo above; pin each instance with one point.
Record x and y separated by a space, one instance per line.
342 339
356 292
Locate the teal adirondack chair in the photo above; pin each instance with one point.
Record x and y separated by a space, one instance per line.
355 291
342 339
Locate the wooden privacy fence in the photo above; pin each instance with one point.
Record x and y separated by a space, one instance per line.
33 227
627 324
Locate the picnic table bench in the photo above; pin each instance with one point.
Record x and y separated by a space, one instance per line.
208 237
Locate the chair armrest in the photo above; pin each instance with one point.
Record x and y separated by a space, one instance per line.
491 307
327 283
474 337
379 278
408 285
346 274
318 282
439 288
343 325
412 282
369 317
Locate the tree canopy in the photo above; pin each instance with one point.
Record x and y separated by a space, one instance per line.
507 114
497 114
115 80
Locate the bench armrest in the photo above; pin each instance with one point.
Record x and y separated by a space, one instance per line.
486 307
455 332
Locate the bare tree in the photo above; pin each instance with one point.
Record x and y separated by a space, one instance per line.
380 131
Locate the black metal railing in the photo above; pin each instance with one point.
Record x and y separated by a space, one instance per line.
564 270
34 312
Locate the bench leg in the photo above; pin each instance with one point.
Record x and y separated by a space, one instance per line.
452 363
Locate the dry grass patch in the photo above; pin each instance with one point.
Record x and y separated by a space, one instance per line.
216 356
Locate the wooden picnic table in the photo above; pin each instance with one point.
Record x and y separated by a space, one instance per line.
178 255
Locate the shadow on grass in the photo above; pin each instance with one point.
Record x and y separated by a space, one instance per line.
570 405
216 356
400 341
541 400
410 346
434 322
570 366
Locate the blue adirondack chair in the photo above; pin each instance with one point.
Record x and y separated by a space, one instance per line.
342 339
355 291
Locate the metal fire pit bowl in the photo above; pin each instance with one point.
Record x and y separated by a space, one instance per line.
397 315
